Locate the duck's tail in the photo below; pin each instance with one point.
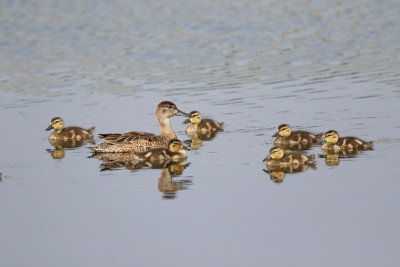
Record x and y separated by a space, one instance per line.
318 137
221 126
311 158
368 145
91 130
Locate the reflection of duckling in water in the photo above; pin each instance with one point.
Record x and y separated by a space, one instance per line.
1 177
175 152
277 172
334 144
285 136
278 159
333 158
167 185
68 133
59 145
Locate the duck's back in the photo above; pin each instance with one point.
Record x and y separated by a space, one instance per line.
131 141
353 143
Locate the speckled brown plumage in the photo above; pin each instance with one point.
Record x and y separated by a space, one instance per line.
71 133
141 141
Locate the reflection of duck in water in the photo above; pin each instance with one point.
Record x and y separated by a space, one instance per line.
142 141
167 185
1 177
154 158
286 137
334 144
71 133
201 128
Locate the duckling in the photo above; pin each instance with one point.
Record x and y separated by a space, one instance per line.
285 136
68 133
175 152
143 141
202 126
344 144
277 158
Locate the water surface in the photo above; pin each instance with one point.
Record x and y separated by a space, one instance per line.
254 65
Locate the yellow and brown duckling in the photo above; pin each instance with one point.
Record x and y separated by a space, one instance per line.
143 141
202 125
335 144
278 159
286 137
175 152
71 133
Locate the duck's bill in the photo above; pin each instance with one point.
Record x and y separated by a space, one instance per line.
275 134
181 113
267 158
186 148
49 128
186 121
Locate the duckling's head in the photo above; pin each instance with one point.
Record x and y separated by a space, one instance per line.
168 109
283 130
275 153
56 123
175 146
194 117
331 137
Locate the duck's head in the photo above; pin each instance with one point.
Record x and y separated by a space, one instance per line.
283 130
194 117
331 137
56 123
169 109
175 146
275 153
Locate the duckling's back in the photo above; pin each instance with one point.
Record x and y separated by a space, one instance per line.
73 133
298 137
209 125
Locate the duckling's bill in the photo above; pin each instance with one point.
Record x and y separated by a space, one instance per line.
267 158
276 134
49 128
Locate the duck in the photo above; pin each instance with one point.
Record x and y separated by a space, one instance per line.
71 133
202 125
175 152
142 141
278 159
285 136
337 144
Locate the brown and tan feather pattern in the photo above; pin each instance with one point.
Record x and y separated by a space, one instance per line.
285 136
71 133
141 141
349 143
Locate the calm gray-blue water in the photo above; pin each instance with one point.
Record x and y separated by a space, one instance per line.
315 65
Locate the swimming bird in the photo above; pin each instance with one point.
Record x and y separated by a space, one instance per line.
343 144
277 158
285 136
175 152
202 125
142 141
71 133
